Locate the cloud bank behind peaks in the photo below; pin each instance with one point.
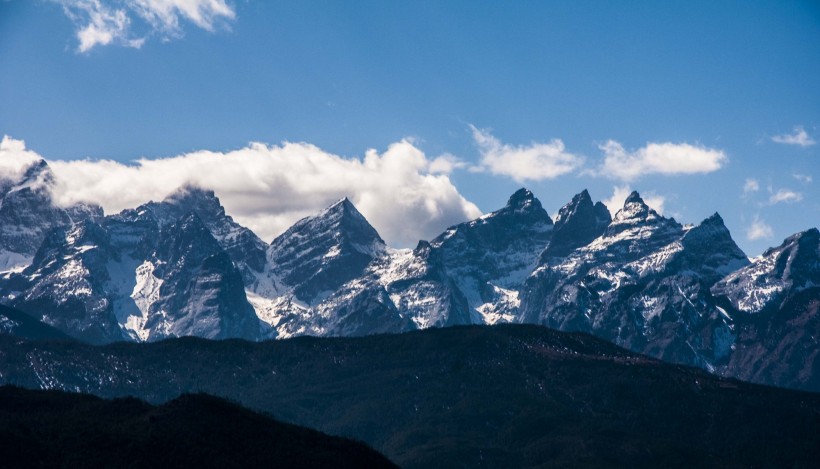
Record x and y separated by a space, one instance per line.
404 194
534 162
658 158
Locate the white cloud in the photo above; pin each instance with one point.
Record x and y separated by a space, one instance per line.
446 164
759 230
14 158
804 178
785 196
534 162
620 193
797 137
268 188
751 185
101 22
658 158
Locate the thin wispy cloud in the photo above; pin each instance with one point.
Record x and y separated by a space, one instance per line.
533 162
619 194
785 196
751 185
401 191
758 229
799 137
804 178
130 23
658 158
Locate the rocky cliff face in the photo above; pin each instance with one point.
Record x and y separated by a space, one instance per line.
642 284
775 305
28 213
134 276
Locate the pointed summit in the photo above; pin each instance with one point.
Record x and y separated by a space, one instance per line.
578 222
635 213
246 250
522 199
28 213
343 208
344 219
188 198
779 273
523 216
709 250
320 253
633 198
36 169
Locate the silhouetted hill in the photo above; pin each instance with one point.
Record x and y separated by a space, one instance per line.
20 324
58 429
502 396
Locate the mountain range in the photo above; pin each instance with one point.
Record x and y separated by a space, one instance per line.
183 267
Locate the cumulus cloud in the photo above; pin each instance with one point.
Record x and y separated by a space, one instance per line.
658 158
101 23
269 187
797 137
759 230
446 164
620 193
785 196
533 162
751 185
15 158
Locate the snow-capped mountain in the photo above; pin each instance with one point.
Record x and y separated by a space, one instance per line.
470 274
246 250
642 284
578 223
135 276
770 279
28 213
182 266
775 305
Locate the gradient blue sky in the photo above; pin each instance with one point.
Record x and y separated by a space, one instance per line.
729 77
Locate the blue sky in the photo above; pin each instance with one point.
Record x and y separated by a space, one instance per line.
701 106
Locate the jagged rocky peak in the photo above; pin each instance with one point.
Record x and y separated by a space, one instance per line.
67 241
39 171
798 258
522 217
524 204
320 253
194 198
780 272
523 200
636 212
246 250
710 231
709 249
634 209
187 198
344 223
28 213
580 202
578 223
